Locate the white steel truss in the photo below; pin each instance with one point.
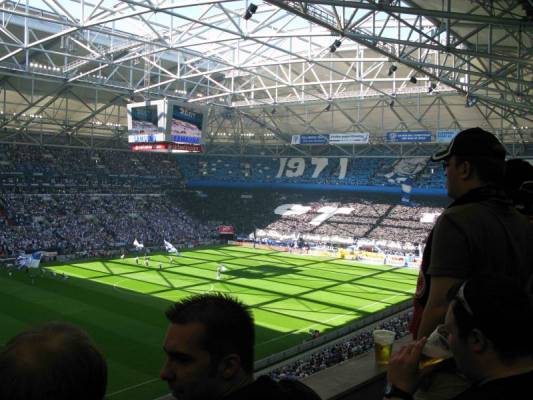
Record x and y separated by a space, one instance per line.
68 67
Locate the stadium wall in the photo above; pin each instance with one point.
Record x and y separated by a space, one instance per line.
205 183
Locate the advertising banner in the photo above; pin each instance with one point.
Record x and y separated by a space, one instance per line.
150 147
446 136
409 137
156 137
349 138
168 147
314 139
395 261
226 230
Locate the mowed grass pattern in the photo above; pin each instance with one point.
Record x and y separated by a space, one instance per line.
122 304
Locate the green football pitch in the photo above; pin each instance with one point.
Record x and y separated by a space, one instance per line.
121 304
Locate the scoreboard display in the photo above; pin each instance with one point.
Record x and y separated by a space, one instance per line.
166 126
186 124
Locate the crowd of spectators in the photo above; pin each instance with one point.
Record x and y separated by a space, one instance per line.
70 223
341 351
73 200
368 171
373 220
35 169
372 216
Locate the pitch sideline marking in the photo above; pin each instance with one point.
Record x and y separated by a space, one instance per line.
132 387
322 322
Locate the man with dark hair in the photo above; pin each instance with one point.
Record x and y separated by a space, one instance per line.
210 353
480 232
519 185
489 330
54 361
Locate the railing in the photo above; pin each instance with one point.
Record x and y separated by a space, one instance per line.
336 334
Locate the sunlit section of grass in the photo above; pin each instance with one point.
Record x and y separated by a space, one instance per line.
121 303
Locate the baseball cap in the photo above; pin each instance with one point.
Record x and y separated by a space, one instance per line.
473 142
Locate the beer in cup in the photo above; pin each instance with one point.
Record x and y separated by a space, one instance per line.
383 341
436 348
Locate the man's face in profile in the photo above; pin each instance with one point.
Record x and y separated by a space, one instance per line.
187 369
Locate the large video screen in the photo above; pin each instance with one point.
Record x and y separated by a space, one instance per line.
144 119
186 124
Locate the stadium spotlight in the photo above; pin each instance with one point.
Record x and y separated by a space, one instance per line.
470 101
328 107
432 87
392 69
336 44
391 104
413 79
252 8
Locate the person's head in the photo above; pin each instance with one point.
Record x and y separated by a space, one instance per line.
519 184
474 158
209 346
489 321
53 361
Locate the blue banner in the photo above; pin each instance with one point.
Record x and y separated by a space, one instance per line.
314 139
446 136
409 137
186 139
331 138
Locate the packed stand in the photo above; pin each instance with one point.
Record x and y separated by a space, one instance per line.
369 171
339 352
83 223
35 169
372 216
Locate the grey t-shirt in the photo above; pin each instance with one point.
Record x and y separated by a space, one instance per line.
483 237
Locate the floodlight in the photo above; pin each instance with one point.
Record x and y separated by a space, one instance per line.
413 79
392 69
336 44
252 8
470 101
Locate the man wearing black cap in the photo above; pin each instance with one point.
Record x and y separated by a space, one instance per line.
480 232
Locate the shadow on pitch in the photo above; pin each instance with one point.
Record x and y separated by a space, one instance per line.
261 271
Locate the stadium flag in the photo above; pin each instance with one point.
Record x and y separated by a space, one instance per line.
30 260
138 245
407 188
170 248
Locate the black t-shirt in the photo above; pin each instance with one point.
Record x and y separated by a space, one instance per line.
510 388
264 388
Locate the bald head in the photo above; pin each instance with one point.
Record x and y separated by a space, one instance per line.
52 361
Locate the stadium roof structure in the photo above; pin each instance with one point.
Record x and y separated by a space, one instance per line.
267 69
